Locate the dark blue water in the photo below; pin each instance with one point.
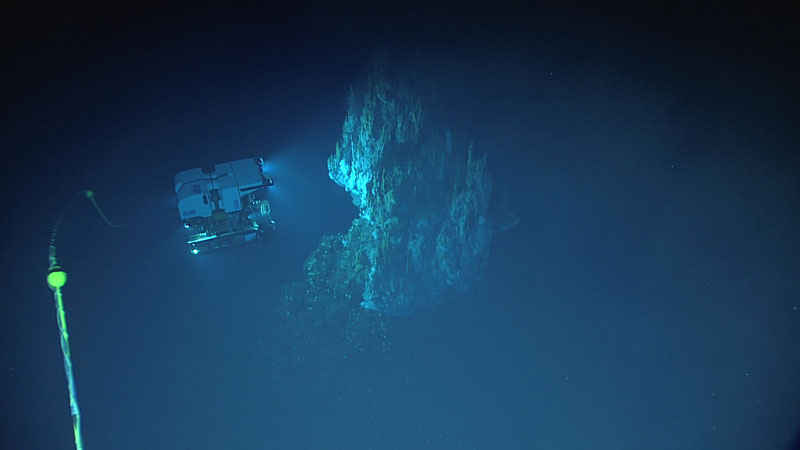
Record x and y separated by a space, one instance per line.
647 298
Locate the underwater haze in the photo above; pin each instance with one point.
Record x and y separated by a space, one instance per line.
497 227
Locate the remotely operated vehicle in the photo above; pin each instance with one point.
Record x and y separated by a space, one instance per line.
226 206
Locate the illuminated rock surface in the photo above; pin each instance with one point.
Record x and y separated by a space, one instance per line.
423 230
423 226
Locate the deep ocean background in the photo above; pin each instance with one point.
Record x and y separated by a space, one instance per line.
647 299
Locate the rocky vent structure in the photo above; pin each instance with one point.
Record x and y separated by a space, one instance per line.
423 225
422 235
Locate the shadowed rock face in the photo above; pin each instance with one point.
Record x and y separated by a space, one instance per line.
423 225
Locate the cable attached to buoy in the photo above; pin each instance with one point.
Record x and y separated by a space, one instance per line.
56 279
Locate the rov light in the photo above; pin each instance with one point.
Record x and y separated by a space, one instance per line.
195 251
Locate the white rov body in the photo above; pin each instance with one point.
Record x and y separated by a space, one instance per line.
224 207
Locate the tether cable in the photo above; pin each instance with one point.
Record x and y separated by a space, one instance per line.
56 279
